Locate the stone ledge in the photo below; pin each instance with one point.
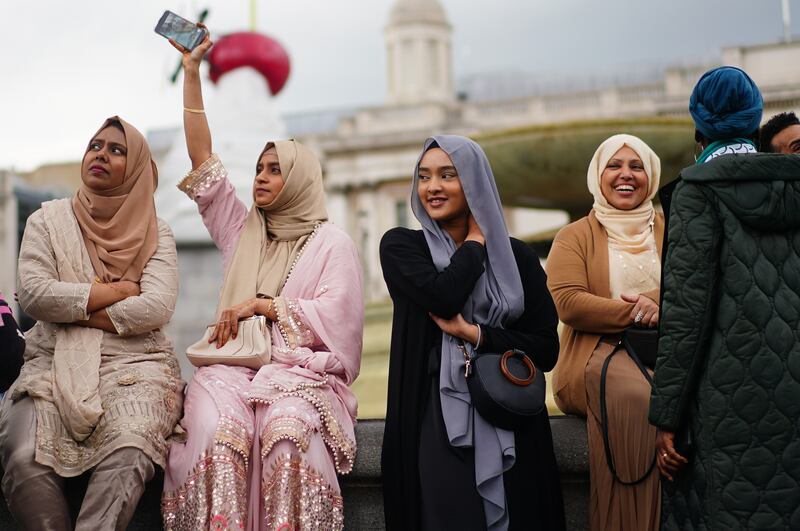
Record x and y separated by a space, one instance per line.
362 488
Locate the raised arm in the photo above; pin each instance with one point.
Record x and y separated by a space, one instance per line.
689 292
223 212
207 184
195 124
407 267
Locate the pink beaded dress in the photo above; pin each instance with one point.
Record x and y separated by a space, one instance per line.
263 448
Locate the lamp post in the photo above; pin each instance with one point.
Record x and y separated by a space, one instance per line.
787 21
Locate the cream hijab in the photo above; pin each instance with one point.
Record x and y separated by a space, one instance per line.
119 226
274 235
628 230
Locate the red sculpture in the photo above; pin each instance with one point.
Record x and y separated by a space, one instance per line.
264 54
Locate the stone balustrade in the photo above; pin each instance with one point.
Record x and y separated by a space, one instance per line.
362 488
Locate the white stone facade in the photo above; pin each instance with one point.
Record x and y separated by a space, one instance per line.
419 49
8 237
369 157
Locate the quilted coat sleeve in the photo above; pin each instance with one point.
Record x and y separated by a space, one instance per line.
689 289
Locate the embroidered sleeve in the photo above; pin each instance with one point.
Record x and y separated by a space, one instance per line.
41 294
293 325
223 213
202 178
153 308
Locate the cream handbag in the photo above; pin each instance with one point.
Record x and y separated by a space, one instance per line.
251 348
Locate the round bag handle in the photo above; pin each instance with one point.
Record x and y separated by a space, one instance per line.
513 379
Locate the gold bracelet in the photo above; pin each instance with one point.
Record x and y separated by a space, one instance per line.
194 111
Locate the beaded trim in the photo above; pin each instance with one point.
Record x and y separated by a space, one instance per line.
213 495
342 448
233 435
292 324
285 429
317 226
297 497
203 177
280 302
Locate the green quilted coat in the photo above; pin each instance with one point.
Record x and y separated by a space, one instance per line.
729 352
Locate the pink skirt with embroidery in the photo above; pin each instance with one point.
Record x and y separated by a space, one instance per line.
262 452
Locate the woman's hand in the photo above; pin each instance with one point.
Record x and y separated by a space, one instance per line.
104 295
228 323
195 124
668 460
127 288
474 232
645 310
99 320
192 59
457 327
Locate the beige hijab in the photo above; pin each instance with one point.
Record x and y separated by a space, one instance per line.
274 235
628 230
119 226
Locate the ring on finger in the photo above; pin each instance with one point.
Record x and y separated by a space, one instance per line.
639 317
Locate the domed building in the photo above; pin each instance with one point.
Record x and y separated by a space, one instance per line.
368 153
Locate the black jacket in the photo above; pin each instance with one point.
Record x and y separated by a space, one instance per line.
533 491
12 347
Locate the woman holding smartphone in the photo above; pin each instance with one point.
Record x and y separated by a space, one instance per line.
264 447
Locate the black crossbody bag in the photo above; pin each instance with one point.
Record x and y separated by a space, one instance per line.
641 344
506 389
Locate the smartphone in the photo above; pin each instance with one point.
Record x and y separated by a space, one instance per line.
180 30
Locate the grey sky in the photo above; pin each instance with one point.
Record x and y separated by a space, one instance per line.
67 65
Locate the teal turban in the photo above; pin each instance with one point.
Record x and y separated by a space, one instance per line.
726 104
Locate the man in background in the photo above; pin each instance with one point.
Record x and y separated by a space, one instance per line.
781 134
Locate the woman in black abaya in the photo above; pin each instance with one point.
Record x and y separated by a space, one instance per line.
462 279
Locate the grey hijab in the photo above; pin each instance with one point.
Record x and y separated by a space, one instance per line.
496 301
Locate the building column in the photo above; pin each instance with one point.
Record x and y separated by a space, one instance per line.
8 237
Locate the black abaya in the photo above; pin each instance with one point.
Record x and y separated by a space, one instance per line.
417 459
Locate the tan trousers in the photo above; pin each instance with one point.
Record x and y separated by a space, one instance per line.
35 493
613 506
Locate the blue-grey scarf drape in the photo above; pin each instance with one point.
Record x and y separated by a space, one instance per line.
496 300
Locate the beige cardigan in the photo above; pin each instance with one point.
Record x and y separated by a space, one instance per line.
577 275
